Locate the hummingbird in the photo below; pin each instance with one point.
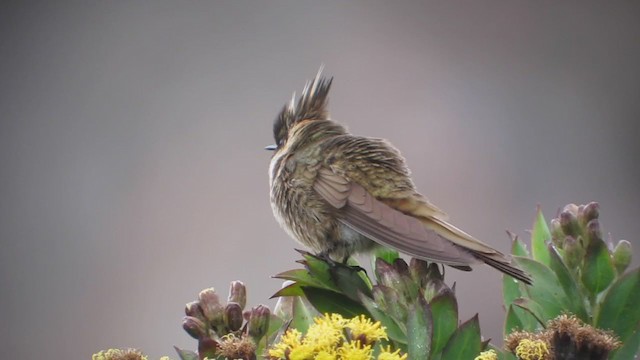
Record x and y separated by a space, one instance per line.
341 194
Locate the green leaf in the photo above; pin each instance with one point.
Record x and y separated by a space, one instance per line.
630 347
319 270
186 354
568 283
540 234
294 289
518 248
419 330
387 254
327 301
532 308
301 276
545 289
444 311
395 331
303 314
619 308
510 290
519 319
349 282
465 342
597 270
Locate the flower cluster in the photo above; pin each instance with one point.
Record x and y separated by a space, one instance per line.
332 337
122 354
564 337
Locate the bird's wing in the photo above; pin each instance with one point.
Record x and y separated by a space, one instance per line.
382 223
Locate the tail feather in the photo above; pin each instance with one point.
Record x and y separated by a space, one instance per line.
504 266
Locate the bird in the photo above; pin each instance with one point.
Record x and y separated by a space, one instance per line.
341 194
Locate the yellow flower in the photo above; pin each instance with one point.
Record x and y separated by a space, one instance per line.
487 355
289 340
387 354
326 355
118 354
355 351
326 332
302 352
532 350
362 328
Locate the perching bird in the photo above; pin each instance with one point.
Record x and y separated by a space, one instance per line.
341 194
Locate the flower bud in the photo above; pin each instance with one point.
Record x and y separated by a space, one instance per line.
207 348
194 327
557 235
387 274
259 322
569 223
418 269
238 293
593 231
572 208
591 212
621 256
573 252
211 308
193 309
233 316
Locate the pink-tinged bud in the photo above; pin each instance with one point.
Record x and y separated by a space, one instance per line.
233 316
591 212
194 327
572 208
593 231
193 309
207 348
573 252
259 322
211 308
418 269
621 256
238 293
569 224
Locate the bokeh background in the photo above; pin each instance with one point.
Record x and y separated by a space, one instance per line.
132 135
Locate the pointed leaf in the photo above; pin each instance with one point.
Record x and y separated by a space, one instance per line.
294 289
349 282
568 283
532 308
540 234
518 248
303 314
465 342
630 347
301 276
510 289
419 330
444 311
597 269
319 269
519 319
395 331
619 308
186 354
545 289
326 301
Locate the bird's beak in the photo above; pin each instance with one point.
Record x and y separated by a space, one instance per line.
270 147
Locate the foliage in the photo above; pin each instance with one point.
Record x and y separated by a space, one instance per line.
575 272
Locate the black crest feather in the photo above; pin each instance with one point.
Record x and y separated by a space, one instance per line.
312 104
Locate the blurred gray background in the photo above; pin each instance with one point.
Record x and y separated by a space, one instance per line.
132 135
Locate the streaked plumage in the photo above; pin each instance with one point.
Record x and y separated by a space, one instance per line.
341 194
